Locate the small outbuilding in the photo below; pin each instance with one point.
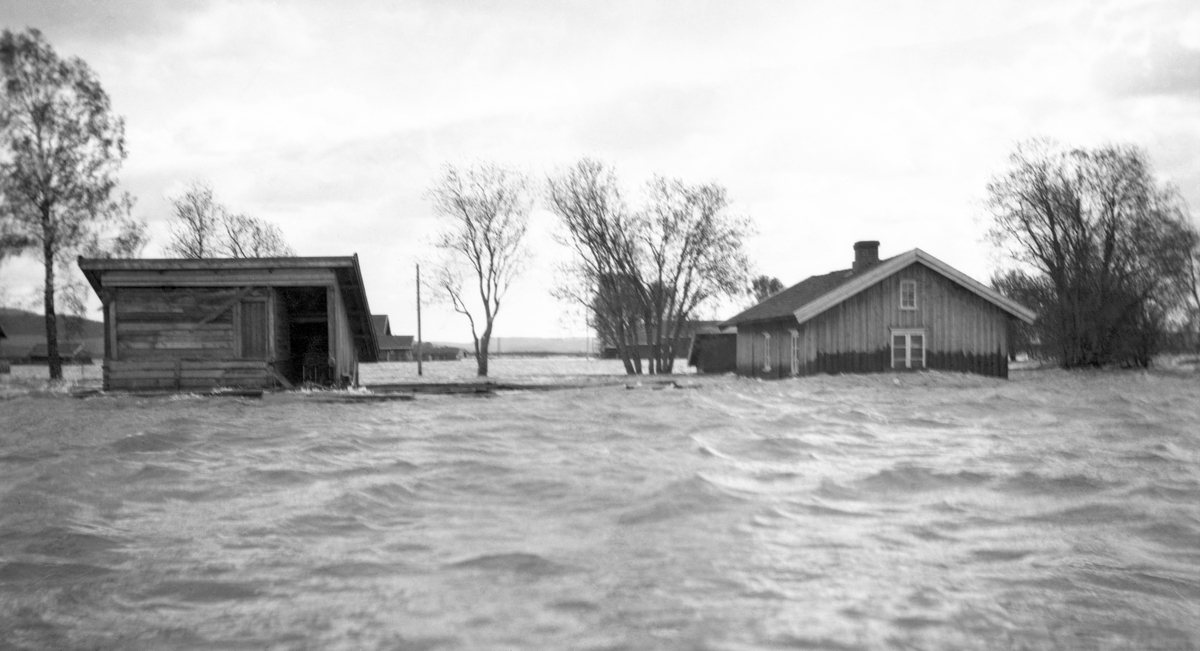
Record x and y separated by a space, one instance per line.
713 350
187 324
908 312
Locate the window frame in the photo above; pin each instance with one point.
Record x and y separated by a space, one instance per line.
766 352
908 333
908 283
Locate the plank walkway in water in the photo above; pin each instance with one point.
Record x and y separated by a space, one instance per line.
493 387
399 391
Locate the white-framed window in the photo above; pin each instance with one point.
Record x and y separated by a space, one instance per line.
908 348
795 352
908 294
766 352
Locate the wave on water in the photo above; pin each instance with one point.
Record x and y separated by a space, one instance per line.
680 499
518 563
917 479
843 513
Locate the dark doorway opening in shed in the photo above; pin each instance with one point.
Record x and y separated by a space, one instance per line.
305 327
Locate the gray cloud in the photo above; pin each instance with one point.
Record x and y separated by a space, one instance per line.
1167 69
98 21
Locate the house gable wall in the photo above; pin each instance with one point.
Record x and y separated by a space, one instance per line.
963 331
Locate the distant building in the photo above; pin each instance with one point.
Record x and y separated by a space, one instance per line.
908 312
681 346
245 322
434 353
397 348
391 348
68 353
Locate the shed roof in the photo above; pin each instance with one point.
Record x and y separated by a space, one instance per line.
812 296
345 268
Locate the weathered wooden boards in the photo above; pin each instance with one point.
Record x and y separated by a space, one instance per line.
186 374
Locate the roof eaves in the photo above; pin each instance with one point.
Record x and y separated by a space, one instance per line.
876 274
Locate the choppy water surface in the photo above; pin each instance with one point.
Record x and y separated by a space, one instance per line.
1052 511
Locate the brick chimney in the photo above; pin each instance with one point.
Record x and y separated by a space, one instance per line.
866 254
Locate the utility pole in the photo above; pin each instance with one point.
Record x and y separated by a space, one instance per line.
420 346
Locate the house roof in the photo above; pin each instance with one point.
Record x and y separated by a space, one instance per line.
396 342
814 295
381 325
345 269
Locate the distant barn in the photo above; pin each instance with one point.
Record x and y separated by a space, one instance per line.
246 322
908 312
392 348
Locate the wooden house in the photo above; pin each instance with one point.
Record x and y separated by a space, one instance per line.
908 312
247 322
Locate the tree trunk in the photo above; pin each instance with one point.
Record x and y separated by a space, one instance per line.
481 353
51 316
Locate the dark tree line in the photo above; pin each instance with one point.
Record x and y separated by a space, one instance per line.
644 273
1107 252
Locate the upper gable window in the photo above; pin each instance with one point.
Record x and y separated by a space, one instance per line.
908 294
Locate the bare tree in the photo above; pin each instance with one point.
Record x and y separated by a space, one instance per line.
62 147
250 237
602 275
201 227
485 214
650 270
763 287
195 223
1109 243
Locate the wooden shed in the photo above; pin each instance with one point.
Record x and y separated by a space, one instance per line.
908 312
187 324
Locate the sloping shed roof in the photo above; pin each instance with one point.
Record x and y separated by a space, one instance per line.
345 268
816 294
396 342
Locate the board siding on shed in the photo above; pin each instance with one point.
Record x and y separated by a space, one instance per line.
963 331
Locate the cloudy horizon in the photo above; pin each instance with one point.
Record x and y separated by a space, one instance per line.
827 122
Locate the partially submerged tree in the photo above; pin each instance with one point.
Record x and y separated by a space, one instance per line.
201 227
763 287
60 149
651 270
484 211
1108 244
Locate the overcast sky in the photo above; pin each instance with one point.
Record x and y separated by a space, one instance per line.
828 122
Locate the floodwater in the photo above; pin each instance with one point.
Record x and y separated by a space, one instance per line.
930 511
